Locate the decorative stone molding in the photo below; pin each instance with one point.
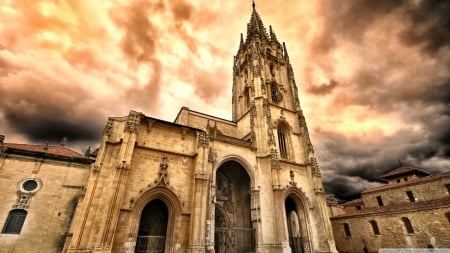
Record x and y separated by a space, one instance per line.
122 165
108 128
299 193
133 122
26 190
315 167
274 161
203 140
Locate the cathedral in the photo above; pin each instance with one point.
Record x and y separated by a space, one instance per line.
206 184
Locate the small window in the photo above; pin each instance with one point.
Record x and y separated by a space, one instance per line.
398 180
283 142
410 196
380 201
375 229
347 230
14 222
405 178
448 216
408 226
358 207
247 98
448 188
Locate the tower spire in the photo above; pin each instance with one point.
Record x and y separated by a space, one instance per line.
256 26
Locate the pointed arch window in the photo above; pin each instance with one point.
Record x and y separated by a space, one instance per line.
14 222
283 142
408 226
375 229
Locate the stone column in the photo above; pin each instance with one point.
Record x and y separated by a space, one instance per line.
197 241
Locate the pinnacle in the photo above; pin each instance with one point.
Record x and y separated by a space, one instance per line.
256 26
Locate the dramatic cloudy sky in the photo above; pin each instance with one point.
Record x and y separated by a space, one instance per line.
374 76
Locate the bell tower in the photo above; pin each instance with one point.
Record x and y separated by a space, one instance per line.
265 95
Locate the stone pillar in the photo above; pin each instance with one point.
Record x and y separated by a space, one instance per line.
197 241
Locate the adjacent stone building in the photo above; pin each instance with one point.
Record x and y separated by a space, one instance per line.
206 184
39 189
411 211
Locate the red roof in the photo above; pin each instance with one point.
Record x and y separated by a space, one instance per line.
403 207
410 182
51 149
402 171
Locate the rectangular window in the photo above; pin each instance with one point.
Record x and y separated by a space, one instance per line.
380 201
448 188
410 196
347 230
375 229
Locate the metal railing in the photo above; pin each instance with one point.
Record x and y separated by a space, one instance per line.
231 240
150 244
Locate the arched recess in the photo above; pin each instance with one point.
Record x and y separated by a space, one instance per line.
237 158
233 226
169 199
297 224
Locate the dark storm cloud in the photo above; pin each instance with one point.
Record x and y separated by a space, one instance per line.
47 110
429 26
405 74
324 88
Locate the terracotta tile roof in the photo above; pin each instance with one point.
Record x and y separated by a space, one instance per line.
415 206
403 170
52 149
410 182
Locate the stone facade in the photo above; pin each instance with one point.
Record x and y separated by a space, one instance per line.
205 184
39 189
411 211
199 184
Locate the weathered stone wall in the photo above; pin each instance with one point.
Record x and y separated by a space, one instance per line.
49 210
431 227
431 190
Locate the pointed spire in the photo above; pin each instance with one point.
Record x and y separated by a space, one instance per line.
273 37
241 43
256 26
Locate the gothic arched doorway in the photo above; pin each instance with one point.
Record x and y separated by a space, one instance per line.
152 228
233 230
296 225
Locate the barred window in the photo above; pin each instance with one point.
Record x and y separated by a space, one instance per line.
14 222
